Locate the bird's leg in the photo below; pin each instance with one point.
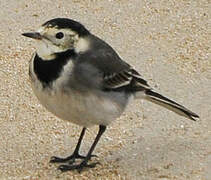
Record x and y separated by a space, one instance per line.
75 154
84 163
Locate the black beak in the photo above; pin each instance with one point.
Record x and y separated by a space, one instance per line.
34 35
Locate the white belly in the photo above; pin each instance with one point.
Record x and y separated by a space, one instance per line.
82 109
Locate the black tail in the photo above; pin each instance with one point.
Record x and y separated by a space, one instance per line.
171 105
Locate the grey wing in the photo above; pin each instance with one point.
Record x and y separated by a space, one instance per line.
103 68
118 75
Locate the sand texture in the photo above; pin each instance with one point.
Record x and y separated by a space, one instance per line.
167 41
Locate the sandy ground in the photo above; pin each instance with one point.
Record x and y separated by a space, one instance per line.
167 41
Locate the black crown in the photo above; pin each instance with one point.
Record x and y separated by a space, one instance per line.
62 23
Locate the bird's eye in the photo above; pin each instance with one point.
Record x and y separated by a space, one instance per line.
59 35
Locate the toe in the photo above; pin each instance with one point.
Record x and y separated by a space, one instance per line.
64 168
55 159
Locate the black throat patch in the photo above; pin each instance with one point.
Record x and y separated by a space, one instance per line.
49 70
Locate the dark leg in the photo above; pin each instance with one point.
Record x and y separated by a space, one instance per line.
84 164
75 154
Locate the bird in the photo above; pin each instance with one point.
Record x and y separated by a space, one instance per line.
81 79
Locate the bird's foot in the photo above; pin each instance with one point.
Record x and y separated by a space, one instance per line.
70 159
79 167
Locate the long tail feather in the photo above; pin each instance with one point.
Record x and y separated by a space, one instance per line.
169 104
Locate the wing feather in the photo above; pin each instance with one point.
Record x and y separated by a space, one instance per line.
126 78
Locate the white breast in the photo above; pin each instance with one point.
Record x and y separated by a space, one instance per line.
84 109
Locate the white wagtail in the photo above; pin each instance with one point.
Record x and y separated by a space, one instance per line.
81 79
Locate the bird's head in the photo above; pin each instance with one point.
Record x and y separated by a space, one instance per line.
60 35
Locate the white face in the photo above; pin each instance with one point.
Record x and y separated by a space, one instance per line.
55 41
59 40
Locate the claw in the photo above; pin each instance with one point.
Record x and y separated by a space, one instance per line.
55 159
81 168
64 168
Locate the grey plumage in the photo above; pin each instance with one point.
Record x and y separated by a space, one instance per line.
81 79
106 70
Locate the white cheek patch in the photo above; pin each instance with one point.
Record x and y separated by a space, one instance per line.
46 50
